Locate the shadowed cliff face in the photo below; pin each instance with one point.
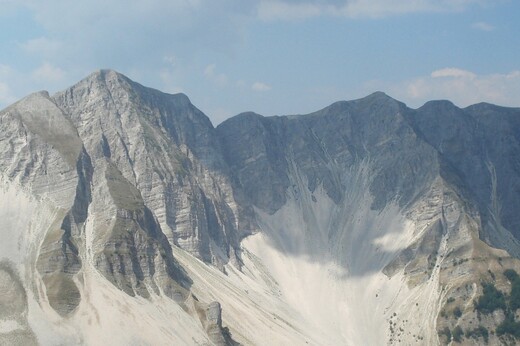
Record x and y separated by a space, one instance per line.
118 180
374 187
481 144
326 144
364 155
475 151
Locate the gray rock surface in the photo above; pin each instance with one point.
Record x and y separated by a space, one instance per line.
120 177
480 146
326 144
13 308
165 148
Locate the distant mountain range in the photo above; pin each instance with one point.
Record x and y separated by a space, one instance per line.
127 218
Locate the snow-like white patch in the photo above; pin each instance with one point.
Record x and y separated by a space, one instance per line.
348 310
16 211
7 326
252 306
105 309
313 275
108 316
327 260
24 221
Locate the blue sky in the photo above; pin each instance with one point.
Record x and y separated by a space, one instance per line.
268 56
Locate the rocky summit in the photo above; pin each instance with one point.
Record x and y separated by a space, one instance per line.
127 218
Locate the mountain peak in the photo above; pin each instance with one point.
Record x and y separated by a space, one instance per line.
439 104
108 79
115 192
104 78
105 73
377 97
379 94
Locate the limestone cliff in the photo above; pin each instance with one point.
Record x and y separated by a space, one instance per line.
125 215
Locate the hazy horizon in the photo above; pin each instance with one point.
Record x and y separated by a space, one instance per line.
271 57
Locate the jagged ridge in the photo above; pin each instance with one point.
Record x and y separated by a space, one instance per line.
128 183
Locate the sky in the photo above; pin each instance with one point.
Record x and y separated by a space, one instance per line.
273 57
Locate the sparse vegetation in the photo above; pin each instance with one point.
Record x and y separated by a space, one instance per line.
457 334
514 297
457 312
491 300
509 326
460 261
491 274
447 333
479 332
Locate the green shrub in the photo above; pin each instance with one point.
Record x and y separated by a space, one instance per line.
509 326
491 300
457 312
457 334
514 297
511 275
447 333
480 331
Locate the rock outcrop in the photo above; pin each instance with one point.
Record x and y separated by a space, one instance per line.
121 204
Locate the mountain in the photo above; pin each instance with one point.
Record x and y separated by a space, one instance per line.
127 218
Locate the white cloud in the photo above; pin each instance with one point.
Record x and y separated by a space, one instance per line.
279 10
170 81
48 73
169 75
259 86
124 34
16 83
170 59
459 86
452 72
6 96
291 9
483 26
5 70
8 7
210 70
43 46
220 79
187 14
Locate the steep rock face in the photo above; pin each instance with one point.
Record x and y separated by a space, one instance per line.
123 207
45 156
69 212
324 147
130 249
403 198
14 329
345 149
167 149
41 148
481 144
